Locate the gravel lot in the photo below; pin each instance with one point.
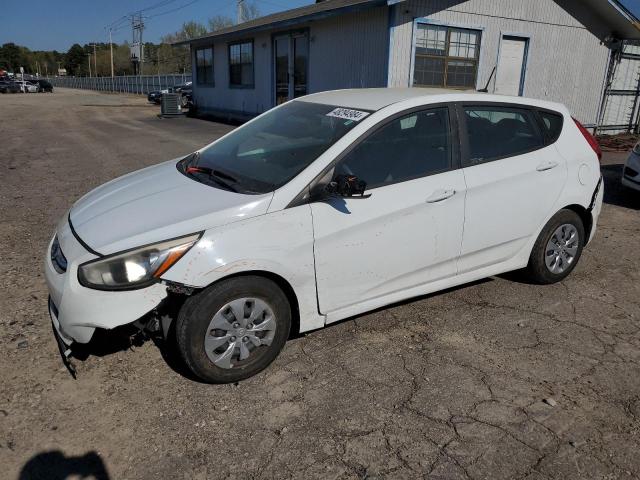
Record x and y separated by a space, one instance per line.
498 379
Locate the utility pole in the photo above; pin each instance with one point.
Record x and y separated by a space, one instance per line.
89 60
137 27
95 59
111 49
241 12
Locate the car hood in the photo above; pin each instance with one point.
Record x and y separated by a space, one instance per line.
155 204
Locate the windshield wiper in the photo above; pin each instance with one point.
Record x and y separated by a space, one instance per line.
216 175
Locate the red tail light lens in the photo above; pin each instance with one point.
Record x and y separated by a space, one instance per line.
591 140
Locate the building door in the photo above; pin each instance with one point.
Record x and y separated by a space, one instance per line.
512 61
291 59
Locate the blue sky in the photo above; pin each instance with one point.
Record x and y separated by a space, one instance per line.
57 24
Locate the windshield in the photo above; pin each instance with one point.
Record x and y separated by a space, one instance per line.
265 154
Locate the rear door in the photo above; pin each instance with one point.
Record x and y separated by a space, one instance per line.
408 233
513 178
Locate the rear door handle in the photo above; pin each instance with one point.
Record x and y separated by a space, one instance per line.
547 166
440 195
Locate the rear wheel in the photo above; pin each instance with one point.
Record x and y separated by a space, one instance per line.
233 329
557 249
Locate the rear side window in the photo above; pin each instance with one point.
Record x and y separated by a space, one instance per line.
497 132
412 146
551 125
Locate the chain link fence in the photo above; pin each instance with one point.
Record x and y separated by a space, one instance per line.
140 84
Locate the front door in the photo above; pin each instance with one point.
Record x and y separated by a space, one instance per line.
408 233
291 59
511 66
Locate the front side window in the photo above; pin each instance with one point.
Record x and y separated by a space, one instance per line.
446 56
413 146
241 64
204 66
265 154
496 132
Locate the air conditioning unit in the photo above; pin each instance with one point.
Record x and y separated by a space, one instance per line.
171 105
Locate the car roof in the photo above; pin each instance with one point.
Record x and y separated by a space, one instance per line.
374 99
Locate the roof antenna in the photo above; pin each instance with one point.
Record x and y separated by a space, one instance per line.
486 87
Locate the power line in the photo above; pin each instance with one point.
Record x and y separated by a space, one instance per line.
172 10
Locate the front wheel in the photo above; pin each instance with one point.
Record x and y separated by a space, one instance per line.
233 329
557 249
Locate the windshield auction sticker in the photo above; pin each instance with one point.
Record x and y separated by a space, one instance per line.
348 114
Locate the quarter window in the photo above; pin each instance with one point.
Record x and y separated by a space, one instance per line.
415 145
495 132
204 66
552 125
241 64
446 56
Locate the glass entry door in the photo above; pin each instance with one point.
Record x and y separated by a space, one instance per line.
291 57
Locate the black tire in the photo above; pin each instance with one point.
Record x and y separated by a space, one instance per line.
197 312
537 270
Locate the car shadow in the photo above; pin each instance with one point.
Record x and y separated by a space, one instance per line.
614 192
55 465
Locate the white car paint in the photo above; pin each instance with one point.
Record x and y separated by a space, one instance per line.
27 87
631 166
397 244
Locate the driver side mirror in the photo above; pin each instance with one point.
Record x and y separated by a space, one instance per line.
348 186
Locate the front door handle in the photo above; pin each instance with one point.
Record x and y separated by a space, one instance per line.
544 166
440 195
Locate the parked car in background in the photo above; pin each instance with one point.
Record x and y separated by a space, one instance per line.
44 85
27 87
186 93
631 170
320 209
156 96
184 89
9 86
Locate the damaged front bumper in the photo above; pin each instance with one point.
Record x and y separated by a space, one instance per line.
76 311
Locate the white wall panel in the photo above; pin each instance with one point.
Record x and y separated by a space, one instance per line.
566 62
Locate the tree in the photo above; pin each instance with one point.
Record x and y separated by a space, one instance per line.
75 60
12 57
178 59
219 22
251 12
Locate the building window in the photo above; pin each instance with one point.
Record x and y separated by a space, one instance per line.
241 65
204 66
446 56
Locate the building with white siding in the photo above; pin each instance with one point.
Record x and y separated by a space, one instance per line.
559 50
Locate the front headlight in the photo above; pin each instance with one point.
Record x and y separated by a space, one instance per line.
636 148
136 268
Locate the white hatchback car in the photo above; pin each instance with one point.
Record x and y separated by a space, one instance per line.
323 208
28 87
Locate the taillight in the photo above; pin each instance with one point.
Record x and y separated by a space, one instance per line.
591 140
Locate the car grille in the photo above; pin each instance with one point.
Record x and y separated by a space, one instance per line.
630 172
57 257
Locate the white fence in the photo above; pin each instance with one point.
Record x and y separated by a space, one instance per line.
141 84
